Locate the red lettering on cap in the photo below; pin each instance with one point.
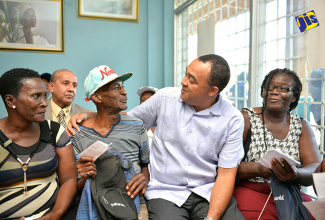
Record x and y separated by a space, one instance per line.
107 73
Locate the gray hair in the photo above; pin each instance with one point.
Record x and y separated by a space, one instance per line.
56 72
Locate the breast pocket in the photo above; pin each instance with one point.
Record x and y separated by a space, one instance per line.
211 145
170 128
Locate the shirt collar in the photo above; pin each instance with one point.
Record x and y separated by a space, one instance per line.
215 109
56 109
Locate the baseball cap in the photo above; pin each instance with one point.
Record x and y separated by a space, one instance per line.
46 76
146 89
100 76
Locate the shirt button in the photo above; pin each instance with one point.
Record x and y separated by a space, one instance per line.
187 149
190 131
188 164
189 180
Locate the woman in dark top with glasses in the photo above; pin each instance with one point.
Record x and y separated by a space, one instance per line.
273 126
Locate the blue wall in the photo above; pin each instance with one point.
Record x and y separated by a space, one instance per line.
145 48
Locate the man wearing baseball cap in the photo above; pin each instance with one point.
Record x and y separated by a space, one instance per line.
197 145
127 134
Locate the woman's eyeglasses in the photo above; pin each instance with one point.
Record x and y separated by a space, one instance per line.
282 89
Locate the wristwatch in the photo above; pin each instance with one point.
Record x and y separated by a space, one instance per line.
207 218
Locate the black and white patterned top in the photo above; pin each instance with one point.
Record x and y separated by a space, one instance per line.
290 145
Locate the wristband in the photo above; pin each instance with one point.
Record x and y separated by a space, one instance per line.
207 218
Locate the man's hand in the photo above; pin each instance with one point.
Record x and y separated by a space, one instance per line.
264 171
284 172
86 167
78 119
138 184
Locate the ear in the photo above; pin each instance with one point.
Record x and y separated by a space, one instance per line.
213 91
51 86
294 97
96 98
10 100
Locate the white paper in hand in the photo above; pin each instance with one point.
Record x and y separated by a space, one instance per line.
277 154
95 150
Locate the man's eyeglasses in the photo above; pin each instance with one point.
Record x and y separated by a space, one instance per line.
282 89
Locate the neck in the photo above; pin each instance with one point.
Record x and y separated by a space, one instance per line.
14 123
207 103
61 105
275 116
106 119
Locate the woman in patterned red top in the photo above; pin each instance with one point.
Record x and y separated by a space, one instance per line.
273 126
37 170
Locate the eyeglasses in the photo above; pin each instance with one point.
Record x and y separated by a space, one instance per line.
282 89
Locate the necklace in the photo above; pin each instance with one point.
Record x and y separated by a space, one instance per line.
24 165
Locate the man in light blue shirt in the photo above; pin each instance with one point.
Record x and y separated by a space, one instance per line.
197 146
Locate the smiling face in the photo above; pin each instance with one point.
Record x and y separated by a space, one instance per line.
195 88
113 96
29 18
64 88
276 100
31 103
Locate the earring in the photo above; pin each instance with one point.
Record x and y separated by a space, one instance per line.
13 106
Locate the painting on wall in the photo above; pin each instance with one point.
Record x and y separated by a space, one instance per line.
32 25
114 10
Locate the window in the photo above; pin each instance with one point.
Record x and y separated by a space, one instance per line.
273 41
232 20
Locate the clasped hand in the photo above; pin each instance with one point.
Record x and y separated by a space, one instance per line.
87 168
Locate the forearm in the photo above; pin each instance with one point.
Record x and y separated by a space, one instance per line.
221 193
305 177
81 184
64 198
145 172
247 170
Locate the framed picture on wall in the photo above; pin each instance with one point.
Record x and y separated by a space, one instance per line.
114 10
32 25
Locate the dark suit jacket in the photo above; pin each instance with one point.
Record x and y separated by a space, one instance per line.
75 109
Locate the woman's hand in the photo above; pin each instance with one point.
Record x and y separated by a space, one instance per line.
284 172
86 168
264 171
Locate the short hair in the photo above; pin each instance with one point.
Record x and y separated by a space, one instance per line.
12 81
297 87
220 71
56 72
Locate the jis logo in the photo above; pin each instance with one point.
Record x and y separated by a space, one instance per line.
307 21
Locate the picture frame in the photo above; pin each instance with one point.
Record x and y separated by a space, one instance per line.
112 10
32 26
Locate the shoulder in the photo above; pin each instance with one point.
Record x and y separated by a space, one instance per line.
229 110
76 107
130 120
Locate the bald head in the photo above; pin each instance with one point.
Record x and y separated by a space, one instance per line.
57 72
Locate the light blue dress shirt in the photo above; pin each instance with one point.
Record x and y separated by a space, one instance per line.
188 146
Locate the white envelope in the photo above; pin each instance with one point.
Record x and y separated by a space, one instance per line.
95 150
277 154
